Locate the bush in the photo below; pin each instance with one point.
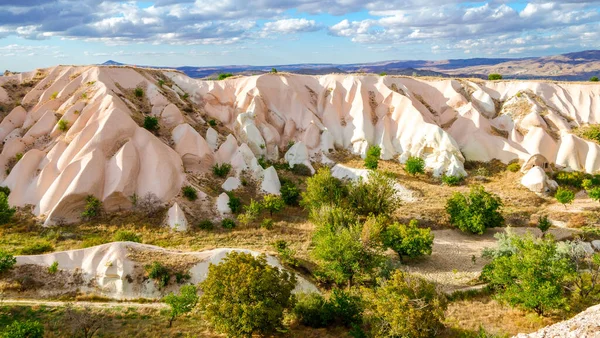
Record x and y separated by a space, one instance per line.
452 180
182 303
159 273
228 223
206 224
93 208
286 254
6 212
151 123
301 169
571 178
594 79
475 212
267 223
513 167
5 190
190 193
415 165
544 224
408 240
377 195
7 261
564 196
346 308
290 193
323 189
52 269
244 295
333 217
37 248
587 184
127 236
138 92
372 158
273 71
221 170
406 306
235 203
223 76
342 308
25 329
494 77
594 193
63 125
272 203
212 123
251 213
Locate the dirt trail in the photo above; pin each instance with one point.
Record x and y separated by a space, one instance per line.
102 305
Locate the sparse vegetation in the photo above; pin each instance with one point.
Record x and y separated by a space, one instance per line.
221 170
415 165
92 209
408 240
151 123
24 329
138 92
235 204
212 123
7 261
301 169
564 196
475 212
286 254
227 223
63 125
223 76
372 157
54 96
190 193
513 167
159 273
127 236
494 77
52 269
594 79
206 224
6 212
452 180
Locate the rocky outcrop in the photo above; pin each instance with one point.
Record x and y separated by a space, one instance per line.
584 325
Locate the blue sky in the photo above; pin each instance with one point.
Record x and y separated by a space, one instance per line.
42 33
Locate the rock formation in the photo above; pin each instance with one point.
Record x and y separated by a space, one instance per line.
584 325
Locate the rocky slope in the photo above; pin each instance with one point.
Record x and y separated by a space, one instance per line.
102 149
584 325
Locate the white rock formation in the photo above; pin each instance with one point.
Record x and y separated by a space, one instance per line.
298 154
584 325
176 218
223 204
231 183
536 180
596 245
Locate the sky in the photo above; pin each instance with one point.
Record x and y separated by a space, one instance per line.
43 33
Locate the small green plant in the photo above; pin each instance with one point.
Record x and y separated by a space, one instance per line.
587 184
323 189
23 329
290 193
513 167
272 203
52 269
273 71
92 209
161 83
415 165
382 74
372 157
572 178
594 79
190 193
63 125
223 76
228 223
494 77
7 261
5 190
235 203
84 96
267 223
482 172
54 96
301 169
138 92
151 123
6 212
206 224
212 123
476 211
452 180
594 193
408 240
564 196
37 248
159 273
544 224
221 170
127 236
18 156
182 303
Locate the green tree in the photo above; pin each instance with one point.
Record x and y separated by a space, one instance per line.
528 272
24 329
408 240
415 165
7 261
594 193
475 212
6 212
272 203
290 193
494 77
92 209
223 76
182 303
406 306
594 79
376 195
544 224
190 193
564 196
244 295
273 71
372 157
323 189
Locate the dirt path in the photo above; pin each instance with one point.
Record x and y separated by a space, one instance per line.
102 305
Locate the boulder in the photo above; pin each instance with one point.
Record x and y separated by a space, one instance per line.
223 204
231 183
270 183
176 218
537 181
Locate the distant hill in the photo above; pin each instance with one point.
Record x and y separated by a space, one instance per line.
578 66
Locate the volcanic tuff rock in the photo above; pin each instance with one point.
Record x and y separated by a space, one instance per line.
106 152
584 325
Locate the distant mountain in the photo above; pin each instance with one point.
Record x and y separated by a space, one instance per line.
578 66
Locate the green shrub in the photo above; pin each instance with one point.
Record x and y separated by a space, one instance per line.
382 74
544 224
138 92
494 77
243 295
406 306
161 82
408 240
6 212
286 254
323 189
212 123
415 165
159 273
482 172
594 79
54 96
92 209
571 178
564 196
272 203
7 261
333 217
5 190
251 212
206 224
228 223
151 123
513 167
346 308
127 236
223 76
475 212
594 193
221 170
93 241
301 169
190 193
587 184
313 310
52 269
24 329
235 203
377 195
267 223
37 248
273 71
63 125
182 303
18 156
452 180
290 193
372 158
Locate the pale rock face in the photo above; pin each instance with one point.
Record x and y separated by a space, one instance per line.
537 181
176 218
270 183
231 183
250 134
212 138
298 154
171 116
195 152
223 204
596 245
